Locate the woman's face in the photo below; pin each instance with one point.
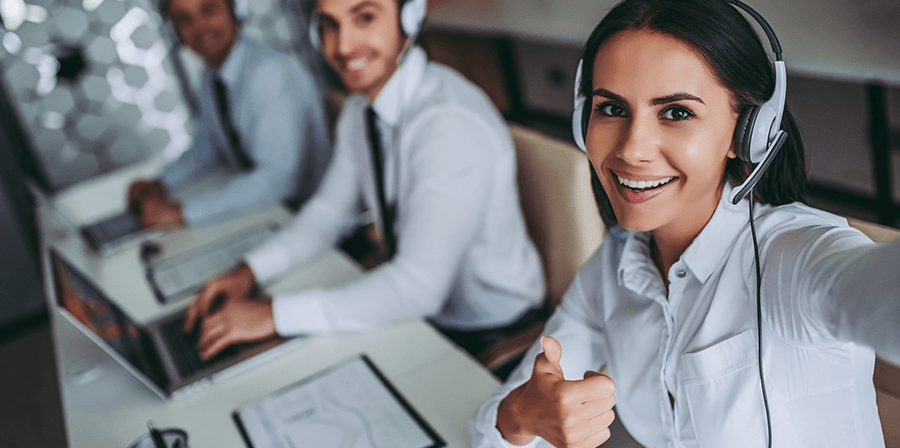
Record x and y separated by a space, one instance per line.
660 132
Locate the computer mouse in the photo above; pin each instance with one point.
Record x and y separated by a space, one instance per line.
150 249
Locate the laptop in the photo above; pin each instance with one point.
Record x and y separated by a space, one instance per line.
157 353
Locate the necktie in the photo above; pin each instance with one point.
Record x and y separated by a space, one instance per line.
387 216
234 143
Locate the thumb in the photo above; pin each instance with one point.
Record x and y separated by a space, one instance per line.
552 349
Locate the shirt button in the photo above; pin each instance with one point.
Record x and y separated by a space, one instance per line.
681 273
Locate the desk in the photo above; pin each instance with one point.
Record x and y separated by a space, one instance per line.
104 405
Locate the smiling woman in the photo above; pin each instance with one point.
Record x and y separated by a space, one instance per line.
716 330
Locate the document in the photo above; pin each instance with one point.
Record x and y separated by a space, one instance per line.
350 405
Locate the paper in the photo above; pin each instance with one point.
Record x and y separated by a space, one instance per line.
347 406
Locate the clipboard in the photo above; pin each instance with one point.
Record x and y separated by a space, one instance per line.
348 404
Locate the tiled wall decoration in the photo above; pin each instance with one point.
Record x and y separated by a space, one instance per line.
95 84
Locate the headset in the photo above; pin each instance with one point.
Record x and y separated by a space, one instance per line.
758 138
412 17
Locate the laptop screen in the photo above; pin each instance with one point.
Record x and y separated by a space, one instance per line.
84 301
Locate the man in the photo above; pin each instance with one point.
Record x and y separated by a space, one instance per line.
260 116
447 179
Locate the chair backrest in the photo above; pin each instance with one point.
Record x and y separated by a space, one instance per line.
559 206
887 376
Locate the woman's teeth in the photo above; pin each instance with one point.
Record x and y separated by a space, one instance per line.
643 184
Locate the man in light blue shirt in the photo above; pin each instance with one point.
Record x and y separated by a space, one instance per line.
260 117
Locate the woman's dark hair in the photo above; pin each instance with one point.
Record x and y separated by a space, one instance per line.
735 55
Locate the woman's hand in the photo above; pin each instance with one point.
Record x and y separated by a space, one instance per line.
567 414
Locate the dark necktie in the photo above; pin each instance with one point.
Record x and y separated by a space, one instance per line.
234 143
387 216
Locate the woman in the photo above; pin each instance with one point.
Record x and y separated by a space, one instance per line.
669 302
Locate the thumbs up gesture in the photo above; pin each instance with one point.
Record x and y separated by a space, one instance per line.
567 414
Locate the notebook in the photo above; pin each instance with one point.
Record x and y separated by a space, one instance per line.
351 404
158 354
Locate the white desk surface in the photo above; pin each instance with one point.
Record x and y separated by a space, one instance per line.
841 39
439 380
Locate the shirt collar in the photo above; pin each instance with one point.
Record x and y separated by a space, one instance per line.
399 89
715 240
703 255
234 62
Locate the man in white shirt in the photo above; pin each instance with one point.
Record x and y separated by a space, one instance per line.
261 117
463 257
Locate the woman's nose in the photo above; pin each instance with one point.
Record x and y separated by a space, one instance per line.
637 144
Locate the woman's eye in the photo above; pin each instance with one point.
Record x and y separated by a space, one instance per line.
677 114
611 110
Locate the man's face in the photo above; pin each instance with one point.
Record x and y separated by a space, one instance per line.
207 27
361 41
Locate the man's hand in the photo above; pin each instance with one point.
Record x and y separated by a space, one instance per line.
237 283
160 211
142 189
240 319
567 414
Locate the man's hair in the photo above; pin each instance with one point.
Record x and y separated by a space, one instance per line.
165 5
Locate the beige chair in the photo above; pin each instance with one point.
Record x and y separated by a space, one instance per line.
562 219
887 376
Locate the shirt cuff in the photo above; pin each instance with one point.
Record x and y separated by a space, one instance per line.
267 262
193 212
300 313
484 432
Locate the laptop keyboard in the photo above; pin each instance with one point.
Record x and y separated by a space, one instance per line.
183 348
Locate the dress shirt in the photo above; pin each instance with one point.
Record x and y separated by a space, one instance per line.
829 297
276 109
463 258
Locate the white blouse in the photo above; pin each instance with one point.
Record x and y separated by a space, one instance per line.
829 298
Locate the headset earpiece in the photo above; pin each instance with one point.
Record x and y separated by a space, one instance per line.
412 15
579 118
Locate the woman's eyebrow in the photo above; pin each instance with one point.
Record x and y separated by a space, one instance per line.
607 94
681 96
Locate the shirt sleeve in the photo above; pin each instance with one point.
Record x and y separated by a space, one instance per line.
581 351
832 284
287 111
319 224
196 160
450 162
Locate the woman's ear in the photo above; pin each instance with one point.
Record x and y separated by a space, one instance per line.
731 154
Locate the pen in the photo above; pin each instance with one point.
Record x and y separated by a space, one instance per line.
156 436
